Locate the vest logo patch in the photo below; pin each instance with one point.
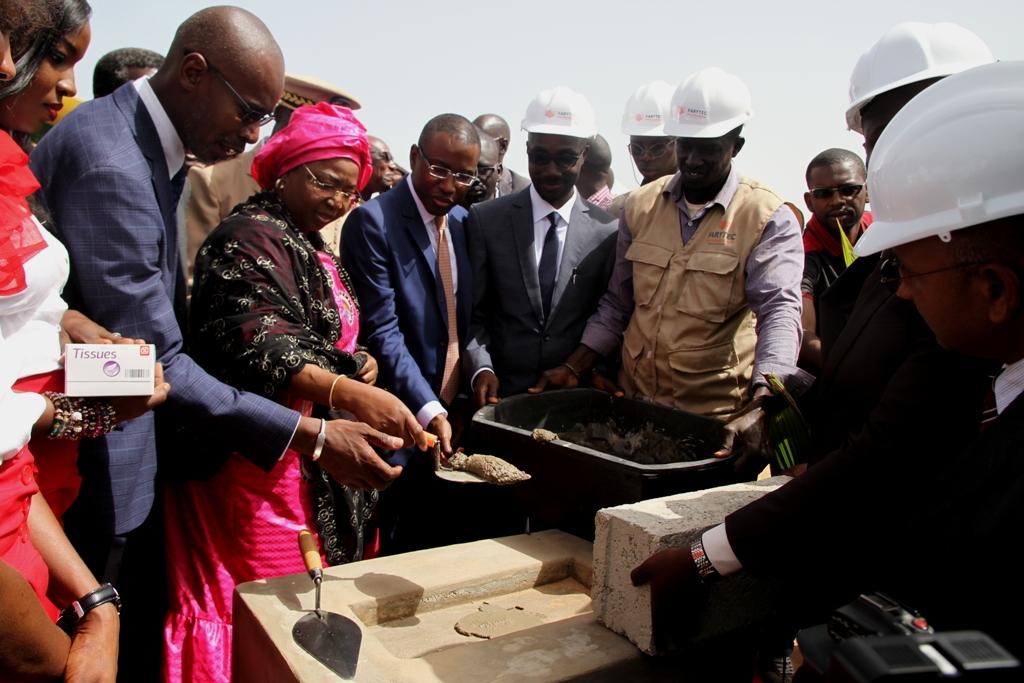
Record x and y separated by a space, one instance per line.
721 237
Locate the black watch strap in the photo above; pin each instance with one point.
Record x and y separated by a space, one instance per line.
76 611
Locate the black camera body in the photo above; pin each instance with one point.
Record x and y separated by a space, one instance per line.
876 639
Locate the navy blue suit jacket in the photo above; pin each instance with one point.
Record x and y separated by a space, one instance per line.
403 319
106 184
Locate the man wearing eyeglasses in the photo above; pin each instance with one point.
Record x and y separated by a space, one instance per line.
541 257
111 174
836 197
406 253
509 182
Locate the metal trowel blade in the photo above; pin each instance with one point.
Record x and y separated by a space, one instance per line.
331 639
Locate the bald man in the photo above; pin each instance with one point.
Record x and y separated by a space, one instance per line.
595 179
486 171
509 182
111 176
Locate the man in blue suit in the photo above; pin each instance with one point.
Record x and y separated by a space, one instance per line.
406 253
111 175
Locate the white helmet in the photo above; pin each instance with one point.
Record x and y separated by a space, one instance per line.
708 104
908 53
646 110
950 159
560 111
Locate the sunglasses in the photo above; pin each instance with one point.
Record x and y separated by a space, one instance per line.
443 172
847 190
249 115
564 160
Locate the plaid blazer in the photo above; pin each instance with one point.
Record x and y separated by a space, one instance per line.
105 182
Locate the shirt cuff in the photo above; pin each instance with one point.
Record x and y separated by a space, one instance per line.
429 412
298 421
719 552
796 380
473 378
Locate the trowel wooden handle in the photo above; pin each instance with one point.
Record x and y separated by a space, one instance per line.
310 553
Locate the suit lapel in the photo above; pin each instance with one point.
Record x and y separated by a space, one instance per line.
576 239
521 218
871 297
464 297
149 143
417 230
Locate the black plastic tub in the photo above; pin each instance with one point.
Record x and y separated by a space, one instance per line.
571 482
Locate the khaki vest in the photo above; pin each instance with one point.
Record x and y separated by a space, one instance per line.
690 341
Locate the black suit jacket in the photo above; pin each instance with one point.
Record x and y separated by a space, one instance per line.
508 331
892 406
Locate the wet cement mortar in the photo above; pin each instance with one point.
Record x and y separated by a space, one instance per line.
644 446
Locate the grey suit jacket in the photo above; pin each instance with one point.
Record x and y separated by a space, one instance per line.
508 332
510 182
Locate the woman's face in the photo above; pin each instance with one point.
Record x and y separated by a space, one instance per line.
42 100
319 192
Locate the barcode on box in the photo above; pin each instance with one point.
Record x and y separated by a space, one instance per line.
136 374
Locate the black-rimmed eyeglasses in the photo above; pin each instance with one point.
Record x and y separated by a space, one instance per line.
249 115
444 173
563 160
892 275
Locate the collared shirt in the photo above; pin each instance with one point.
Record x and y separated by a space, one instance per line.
773 272
433 408
170 142
602 198
1009 385
541 223
431 228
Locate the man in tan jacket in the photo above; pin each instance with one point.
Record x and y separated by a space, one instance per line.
705 295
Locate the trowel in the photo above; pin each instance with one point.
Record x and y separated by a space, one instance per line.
332 639
447 473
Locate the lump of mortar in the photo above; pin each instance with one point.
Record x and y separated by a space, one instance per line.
491 622
543 435
490 468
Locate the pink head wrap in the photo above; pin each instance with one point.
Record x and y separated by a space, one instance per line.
314 133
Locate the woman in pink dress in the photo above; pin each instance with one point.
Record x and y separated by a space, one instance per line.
272 312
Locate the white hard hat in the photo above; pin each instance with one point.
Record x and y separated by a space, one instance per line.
647 109
560 111
908 53
950 159
708 104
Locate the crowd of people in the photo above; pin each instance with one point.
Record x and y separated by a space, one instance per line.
321 314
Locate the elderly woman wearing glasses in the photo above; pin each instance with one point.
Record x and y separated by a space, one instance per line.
274 312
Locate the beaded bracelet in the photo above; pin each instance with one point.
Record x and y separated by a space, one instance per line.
80 418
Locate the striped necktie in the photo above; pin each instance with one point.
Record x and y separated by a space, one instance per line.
450 378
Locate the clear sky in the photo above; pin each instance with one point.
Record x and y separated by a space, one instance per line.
408 61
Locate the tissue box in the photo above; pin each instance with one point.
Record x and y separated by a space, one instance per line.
108 369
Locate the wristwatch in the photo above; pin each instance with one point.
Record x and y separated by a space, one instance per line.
705 570
76 611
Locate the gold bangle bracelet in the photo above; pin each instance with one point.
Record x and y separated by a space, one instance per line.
330 396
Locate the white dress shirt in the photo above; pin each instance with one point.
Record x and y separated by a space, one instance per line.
30 340
1008 385
433 408
541 210
170 142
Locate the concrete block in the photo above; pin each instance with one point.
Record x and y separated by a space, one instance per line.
628 534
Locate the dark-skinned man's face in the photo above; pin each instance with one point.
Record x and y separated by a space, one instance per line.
704 163
554 164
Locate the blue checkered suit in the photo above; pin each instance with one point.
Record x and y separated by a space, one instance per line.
105 182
